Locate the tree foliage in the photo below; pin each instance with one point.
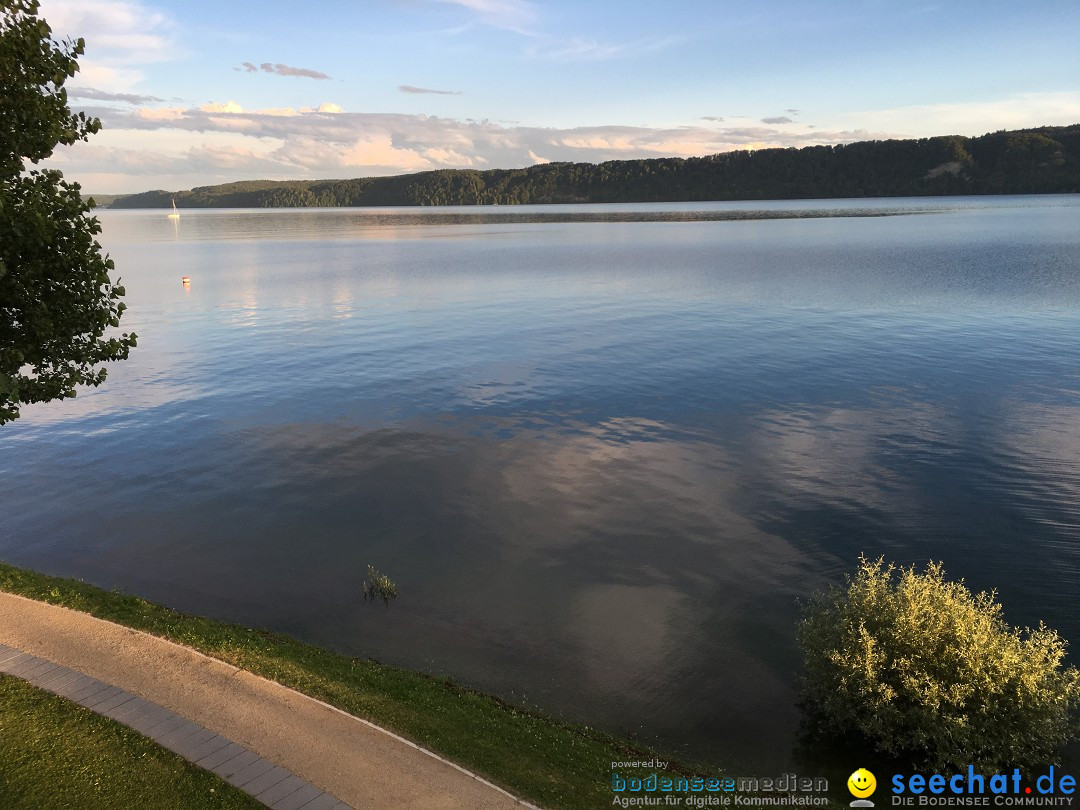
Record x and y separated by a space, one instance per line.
927 670
56 297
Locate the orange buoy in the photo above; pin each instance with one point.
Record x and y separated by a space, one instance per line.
186 280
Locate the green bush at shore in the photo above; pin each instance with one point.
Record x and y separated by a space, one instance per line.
553 763
931 673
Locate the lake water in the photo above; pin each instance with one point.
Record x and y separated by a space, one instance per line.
602 450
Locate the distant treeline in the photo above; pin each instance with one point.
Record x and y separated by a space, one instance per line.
1041 160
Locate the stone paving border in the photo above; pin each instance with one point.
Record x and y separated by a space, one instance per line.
275 787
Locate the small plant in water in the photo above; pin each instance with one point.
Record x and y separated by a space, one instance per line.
379 586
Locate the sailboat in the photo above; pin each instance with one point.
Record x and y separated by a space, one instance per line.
175 214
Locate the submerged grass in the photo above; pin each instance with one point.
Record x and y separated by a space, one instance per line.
552 763
55 753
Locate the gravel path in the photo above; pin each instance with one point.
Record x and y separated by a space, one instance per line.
328 755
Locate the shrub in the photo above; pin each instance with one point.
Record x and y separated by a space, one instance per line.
924 669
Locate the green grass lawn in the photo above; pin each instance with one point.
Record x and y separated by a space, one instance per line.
55 755
552 763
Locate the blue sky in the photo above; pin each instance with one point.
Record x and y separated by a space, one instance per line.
195 92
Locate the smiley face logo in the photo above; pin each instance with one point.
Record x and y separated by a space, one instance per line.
861 783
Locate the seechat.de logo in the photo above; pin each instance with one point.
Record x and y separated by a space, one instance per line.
862 784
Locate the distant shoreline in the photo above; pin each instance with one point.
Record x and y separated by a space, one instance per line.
1042 160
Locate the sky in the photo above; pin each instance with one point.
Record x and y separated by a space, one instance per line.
195 92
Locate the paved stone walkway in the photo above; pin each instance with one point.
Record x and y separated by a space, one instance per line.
277 744
275 787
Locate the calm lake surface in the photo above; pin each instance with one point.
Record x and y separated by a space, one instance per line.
602 449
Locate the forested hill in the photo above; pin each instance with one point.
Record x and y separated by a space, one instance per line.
1042 160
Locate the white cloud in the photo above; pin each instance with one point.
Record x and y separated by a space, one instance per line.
102 76
409 88
579 49
584 49
119 34
232 124
287 70
227 107
232 108
159 113
124 30
328 108
972 118
380 151
230 158
519 16
101 95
